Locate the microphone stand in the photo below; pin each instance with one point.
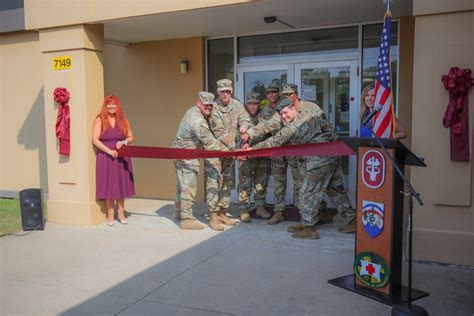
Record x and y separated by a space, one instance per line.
408 308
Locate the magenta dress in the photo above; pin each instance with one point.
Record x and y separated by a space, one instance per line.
114 177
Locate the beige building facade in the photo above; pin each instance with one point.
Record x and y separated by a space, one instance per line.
135 50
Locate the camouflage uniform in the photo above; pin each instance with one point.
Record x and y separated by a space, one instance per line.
319 175
306 106
253 176
194 133
272 124
225 122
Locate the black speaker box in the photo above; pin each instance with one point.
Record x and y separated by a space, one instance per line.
31 206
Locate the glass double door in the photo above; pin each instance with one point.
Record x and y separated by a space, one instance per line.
331 85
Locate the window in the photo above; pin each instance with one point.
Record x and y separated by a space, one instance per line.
294 43
220 61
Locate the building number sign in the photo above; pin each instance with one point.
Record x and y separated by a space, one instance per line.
63 62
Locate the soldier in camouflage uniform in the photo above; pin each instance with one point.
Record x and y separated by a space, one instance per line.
319 174
227 119
194 133
291 91
279 164
253 172
272 124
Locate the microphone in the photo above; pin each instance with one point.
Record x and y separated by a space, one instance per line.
377 109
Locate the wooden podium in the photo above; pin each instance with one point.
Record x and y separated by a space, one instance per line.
379 231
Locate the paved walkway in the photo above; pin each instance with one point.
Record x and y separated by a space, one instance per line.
151 267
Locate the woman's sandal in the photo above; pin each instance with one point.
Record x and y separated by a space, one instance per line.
110 223
123 221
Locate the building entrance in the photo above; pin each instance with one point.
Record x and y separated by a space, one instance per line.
332 85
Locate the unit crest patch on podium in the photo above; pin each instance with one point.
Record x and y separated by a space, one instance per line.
372 217
373 169
371 269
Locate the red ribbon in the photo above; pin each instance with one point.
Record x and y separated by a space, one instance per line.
337 148
458 82
63 126
63 121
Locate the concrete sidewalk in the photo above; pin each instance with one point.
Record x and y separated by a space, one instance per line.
151 267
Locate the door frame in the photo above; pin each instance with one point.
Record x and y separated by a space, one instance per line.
354 108
293 67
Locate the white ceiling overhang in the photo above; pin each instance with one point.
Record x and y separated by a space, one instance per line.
248 18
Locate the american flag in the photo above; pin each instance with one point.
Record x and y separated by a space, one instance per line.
384 120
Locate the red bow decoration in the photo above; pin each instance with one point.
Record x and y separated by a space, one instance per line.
63 120
458 82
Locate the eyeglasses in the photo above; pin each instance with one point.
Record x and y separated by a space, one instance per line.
225 92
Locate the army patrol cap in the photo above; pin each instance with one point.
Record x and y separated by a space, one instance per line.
283 104
273 87
289 88
253 98
206 97
224 85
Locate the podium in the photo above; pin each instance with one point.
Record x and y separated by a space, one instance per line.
379 231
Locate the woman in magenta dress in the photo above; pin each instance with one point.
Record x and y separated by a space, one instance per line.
114 176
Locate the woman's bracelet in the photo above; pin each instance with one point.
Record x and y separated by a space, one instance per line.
125 142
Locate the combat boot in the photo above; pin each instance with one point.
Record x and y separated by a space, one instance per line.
262 212
309 232
177 216
191 224
295 228
276 218
348 228
244 216
323 206
215 223
225 219
324 217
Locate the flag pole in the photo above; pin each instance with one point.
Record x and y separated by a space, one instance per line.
387 2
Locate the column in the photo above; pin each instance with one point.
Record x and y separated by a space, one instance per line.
71 179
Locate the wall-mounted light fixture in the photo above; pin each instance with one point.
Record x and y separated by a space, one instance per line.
183 66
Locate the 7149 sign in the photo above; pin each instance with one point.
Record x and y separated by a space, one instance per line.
63 62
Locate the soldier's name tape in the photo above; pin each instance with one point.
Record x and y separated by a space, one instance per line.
337 148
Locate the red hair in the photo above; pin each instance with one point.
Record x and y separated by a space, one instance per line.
120 120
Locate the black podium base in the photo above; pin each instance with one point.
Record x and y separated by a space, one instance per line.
348 282
409 310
